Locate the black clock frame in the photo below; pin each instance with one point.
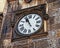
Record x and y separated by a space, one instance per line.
34 12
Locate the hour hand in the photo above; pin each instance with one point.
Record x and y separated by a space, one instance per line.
28 21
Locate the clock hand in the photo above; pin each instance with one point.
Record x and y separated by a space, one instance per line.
28 21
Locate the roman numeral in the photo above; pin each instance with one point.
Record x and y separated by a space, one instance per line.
37 25
21 25
29 31
25 30
37 18
34 29
30 16
34 16
22 21
25 17
22 28
38 21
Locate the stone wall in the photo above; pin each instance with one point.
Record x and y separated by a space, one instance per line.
54 23
53 37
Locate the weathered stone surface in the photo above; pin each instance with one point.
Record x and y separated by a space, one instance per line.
29 43
54 13
54 23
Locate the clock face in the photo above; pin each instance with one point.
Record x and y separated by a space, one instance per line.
29 24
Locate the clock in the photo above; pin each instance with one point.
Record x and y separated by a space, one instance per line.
29 22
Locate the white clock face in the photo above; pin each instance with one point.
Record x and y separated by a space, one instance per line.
29 24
